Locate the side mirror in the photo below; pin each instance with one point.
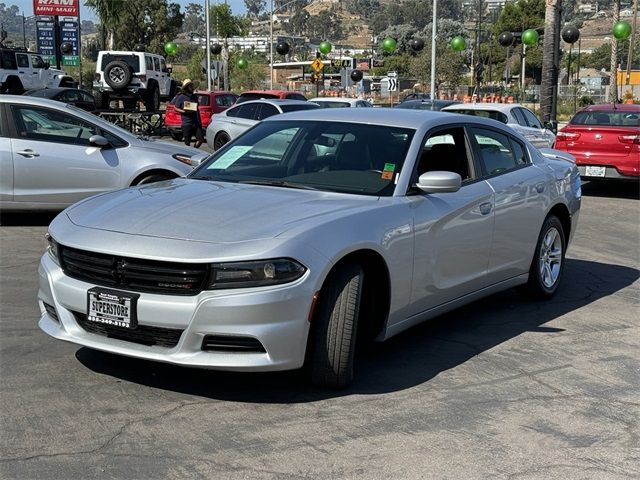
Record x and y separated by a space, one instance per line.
98 141
439 182
551 126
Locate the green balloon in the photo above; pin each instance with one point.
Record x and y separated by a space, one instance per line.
458 43
530 37
622 30
325 48
170 48
389 45
242 63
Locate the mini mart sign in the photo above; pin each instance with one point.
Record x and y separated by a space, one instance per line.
68 8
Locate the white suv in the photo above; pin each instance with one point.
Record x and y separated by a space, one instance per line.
22 70
132 76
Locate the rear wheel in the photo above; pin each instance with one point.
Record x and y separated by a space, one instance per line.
334 326
152 99
220 140
102 99
12 86
548 259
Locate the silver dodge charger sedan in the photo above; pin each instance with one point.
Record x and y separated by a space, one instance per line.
309 232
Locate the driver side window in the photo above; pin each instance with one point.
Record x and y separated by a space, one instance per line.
46 125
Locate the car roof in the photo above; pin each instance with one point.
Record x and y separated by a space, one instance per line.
500 107
336 99
270 92
392 117
275 101
214 93
127 52
625 107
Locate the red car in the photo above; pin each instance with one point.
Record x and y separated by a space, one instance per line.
605 139
270 94
208 104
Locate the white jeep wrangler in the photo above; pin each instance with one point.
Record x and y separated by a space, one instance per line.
132 76
21 70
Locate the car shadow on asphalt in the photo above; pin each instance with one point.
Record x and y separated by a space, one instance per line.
407 360
611 189
24 219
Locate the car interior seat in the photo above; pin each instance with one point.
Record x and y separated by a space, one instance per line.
353 155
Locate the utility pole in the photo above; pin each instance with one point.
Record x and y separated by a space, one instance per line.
433 51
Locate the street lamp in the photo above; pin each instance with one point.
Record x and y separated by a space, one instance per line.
271 37
433 51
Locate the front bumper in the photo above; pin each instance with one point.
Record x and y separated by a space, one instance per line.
275 316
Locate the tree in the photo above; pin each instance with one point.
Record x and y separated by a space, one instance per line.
157 22
549 82
613 72
254 7
227 25
297 25
364 8
108 12
194 19
326 25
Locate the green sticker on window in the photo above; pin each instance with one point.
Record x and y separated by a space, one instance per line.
389 167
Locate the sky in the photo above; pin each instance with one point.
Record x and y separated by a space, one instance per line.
237 6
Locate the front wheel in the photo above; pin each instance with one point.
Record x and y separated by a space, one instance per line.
548 259
152 100
334 326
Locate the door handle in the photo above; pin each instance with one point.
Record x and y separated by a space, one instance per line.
485 208
28 153
540 187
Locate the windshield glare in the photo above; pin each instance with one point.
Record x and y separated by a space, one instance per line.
331 156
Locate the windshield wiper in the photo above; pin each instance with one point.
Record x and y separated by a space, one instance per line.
279 183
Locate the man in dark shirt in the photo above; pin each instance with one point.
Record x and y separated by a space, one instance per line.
186 103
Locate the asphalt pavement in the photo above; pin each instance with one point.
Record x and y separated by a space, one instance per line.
505 388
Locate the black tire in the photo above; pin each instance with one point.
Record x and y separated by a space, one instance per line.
153 179
547 265
220 140
176 135
334 325
130 104
172 90
102 99
152 99
117 74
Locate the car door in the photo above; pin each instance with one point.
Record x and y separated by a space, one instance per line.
520 191
245 118
28 75
164 78
543 138
6 160
52 159
454 230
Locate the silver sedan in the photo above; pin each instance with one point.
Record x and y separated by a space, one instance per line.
236 120
516 116
53 154
308 233
341 102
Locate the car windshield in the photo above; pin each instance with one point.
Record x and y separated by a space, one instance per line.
493 114
255 96
607 118
319 155
332 104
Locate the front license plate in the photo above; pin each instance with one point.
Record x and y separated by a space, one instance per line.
595 171
112 307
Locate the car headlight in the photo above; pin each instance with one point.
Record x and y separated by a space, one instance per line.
258 273
53 248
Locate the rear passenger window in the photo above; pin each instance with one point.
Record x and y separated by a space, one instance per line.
148 62
156 64
267 110
248 111
531 119
519 153
495 151
23 61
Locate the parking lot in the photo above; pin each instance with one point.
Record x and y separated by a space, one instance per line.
504 388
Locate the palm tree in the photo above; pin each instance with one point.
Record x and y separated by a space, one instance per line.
108 12
613 74
549 83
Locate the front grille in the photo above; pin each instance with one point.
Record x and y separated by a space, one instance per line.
51 311
143 334
133 273
230 343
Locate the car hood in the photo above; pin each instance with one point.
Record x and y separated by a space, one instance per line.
203 211
168 148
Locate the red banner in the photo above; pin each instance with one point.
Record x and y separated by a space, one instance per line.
63 8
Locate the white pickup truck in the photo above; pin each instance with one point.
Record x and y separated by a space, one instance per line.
21 71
